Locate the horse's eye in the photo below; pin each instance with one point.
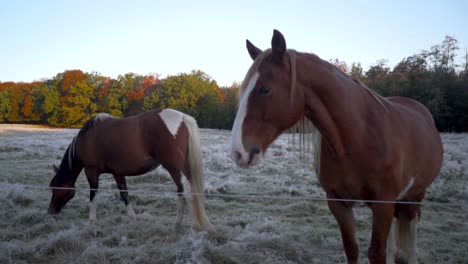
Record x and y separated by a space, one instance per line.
263 91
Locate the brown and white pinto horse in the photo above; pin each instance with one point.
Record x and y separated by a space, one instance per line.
133 146
373 148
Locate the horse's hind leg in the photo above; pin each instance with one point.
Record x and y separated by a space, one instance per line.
392 248
122 185
413 249
382 216
176 177
93 180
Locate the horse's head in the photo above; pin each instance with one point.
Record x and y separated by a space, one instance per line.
270 101
60 197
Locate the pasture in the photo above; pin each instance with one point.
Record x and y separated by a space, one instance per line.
276 224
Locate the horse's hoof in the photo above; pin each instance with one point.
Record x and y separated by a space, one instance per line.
178 227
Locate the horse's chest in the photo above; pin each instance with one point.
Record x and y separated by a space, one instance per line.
340 181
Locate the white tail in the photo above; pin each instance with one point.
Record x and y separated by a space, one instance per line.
408 237
403 232
196 179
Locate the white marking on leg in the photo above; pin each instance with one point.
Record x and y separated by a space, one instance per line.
130 212
190 200
392 242
237 145
92 209
172 119
413 250
180 210
405 190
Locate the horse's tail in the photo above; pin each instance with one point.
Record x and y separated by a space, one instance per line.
196 179
403 231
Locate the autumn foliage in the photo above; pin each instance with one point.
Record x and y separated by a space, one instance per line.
72 97
433 77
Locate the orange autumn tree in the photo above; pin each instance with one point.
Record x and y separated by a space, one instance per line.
69 79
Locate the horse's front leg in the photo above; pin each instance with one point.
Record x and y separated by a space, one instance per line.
93 179
122 185
345 217
382 215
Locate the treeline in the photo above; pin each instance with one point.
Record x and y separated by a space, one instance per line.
70 98
431 77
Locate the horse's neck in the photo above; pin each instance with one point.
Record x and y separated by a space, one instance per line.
71 174
333 102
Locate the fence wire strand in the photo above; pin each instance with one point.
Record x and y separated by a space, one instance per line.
250 196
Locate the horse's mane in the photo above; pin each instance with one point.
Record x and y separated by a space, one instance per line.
70 152
377 97
93 121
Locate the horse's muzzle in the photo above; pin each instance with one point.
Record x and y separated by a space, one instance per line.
247 159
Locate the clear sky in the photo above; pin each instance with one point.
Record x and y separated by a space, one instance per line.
39 39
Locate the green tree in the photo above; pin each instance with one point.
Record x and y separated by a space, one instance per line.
80 105
183 91
51 106
229 106
5 105
357 71
115 103
377 77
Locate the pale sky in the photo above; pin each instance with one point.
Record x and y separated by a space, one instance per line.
39 39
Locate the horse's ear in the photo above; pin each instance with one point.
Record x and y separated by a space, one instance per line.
55 168
278 46
253 51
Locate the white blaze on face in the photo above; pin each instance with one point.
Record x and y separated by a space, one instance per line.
237 145
172 119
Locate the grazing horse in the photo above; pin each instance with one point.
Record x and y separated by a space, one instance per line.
133 146
372 148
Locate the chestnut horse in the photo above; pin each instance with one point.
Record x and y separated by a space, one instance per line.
133 146
373 148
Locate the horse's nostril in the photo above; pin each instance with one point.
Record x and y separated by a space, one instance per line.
256 150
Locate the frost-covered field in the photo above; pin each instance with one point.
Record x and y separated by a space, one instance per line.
248 229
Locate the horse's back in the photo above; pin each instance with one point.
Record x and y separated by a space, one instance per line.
419 138
113 145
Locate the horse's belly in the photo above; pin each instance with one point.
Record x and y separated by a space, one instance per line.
132 167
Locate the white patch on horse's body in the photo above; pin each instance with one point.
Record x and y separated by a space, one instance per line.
92 209
236 137
392 242
102 116
405 190
172 119
413 250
